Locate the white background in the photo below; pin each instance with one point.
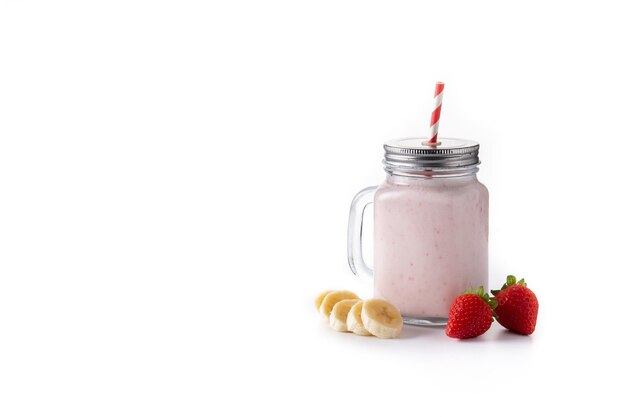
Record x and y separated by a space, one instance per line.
174 188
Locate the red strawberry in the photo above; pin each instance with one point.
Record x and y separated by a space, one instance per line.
471 315
517 306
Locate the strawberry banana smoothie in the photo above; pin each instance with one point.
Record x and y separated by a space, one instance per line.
430 242
430 227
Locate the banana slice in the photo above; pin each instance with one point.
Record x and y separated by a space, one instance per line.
381 318
320 298
333 298
339 315
354 322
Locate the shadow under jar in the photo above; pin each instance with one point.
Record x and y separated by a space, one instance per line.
431 225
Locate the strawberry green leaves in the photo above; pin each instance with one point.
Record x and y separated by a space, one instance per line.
510 280
480 291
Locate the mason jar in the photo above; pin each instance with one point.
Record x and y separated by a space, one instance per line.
431 226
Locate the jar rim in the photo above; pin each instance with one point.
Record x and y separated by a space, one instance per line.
408 155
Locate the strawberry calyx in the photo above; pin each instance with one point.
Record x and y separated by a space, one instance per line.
480 291
510 280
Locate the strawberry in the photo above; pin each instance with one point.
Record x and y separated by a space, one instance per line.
517 306
471 314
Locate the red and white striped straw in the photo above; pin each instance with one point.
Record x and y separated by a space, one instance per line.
434 118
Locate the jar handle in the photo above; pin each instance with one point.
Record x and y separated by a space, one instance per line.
364 198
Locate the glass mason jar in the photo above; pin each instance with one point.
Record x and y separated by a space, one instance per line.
431 225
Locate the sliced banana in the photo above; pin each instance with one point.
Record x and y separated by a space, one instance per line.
333 298
320 298
354 322
339 315
381 318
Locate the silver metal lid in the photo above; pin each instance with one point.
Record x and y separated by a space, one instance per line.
404 156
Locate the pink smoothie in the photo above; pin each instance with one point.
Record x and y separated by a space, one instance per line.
430 242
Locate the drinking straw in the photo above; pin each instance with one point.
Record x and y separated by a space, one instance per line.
434 118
